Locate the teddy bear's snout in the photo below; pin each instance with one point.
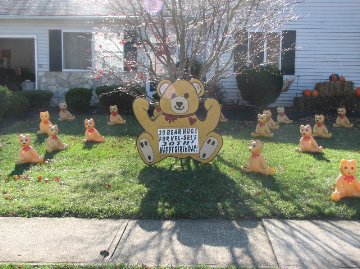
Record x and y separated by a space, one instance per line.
179 104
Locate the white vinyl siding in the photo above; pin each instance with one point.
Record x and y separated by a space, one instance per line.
327 41
40 29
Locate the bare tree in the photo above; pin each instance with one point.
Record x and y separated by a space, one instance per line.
175 34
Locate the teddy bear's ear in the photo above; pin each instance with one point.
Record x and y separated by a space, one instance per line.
198 85
27 136
353 162
85 120
162 86
302 126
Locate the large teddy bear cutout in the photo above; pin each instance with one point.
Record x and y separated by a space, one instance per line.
169 134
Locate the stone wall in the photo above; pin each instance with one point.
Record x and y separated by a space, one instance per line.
60 82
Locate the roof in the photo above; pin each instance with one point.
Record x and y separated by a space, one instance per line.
58 8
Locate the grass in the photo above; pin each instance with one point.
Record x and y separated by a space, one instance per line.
109 180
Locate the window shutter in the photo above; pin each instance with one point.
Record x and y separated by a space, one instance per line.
55 51
241 51
288 52
130 51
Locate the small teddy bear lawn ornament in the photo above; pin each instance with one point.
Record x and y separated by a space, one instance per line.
320 129
256 162
342 120
115 118
91 134
307 142
53 142
346 184
270 122
44 122
262 129
281 117
64 114
177 131
27 154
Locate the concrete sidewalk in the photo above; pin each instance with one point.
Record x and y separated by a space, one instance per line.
267 243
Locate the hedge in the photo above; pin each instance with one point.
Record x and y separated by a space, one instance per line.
78 99
39 99
122 96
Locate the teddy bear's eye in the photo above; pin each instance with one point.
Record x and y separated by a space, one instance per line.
345 167
306 130
173 95
352 168
186 95
253 146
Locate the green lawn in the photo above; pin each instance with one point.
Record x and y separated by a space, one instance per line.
109 180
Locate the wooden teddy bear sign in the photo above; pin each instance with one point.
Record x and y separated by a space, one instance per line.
177 131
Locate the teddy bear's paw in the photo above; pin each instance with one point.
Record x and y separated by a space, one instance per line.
208 148
335 196
146 150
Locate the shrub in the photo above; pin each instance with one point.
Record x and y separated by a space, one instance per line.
106 89
78 99
18 105
38 99
122 96
335 88
4 100
214 90
326 104
261 85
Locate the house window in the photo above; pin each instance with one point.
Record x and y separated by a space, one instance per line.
77 50
277 49
264 49
109 51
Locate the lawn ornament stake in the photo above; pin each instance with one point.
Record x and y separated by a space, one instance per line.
262 129
320 129
342 120
346 184
281 117
177 131
256 162
44 122
53 142
307 142
27 154
91 134
115 118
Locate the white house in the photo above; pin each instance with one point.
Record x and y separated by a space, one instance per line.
56 41
327 41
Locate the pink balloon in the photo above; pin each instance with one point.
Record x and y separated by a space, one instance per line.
153 6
